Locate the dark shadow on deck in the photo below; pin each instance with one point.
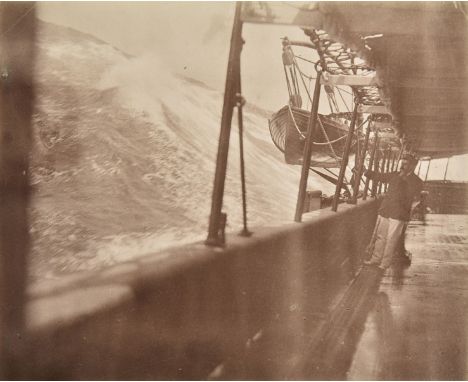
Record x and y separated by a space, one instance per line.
332 346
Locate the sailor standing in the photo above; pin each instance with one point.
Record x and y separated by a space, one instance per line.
404 187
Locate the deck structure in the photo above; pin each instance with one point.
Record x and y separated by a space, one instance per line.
416 329
407 324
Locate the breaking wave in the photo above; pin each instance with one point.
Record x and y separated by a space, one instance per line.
124 158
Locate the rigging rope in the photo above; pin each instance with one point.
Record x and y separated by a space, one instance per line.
294 121
287 81
305 59
329 143
344 102
328 139
296 83
335 59
330 94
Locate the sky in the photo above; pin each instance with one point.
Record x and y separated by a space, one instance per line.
193 38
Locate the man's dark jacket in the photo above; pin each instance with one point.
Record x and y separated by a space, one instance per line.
402 191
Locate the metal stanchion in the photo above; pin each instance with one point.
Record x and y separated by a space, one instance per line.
240 120
371 162
428 167
375 183
311 127
358 175
394 161
400 154
344 161
446 168
387 167
382 170
214 235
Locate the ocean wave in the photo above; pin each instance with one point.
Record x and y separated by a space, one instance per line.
124 159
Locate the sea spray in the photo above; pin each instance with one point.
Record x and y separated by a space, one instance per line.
128 161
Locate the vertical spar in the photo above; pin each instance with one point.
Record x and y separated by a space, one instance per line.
382 170
400 154
387 168
419 168
394 158
240 121
376 163
311 127
344 162
428 167
358 175
371 162
446 168
226 120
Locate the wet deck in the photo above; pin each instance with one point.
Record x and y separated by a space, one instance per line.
417 328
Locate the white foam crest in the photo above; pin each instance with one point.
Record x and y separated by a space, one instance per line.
142 82
118 248
148 85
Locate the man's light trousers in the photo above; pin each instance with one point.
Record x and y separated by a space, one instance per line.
385 239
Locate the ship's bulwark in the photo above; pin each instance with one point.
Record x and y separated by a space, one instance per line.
123 160
248 311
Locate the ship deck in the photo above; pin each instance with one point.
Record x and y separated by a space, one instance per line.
409 323
417 326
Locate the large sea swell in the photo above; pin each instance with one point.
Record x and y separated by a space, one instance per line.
124 158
